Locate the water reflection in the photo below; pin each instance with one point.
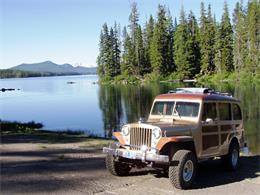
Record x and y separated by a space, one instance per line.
122 104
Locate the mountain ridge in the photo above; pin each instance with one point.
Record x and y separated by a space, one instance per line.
51 67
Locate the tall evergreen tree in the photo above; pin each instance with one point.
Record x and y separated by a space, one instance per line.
180 39
192 45
140 56
158 53
133 26
116 49
212 39
224 45
240 38
127 62
105 58
170 41
186 46
253 20
207 40
100 58
148 36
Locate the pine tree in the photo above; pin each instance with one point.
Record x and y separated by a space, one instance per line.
253 21
109 66
211 41
180 43
109 52
127 64
207 40
192 46
148 36
158 52
100 58
105 58
170 66
140 56
116 49
240 38
224 45
133 26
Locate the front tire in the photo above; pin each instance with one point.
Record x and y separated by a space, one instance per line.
116 167
183 175
231 160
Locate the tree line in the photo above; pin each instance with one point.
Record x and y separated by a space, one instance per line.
188 48
10 73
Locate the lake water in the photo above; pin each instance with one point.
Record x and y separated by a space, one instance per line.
100 109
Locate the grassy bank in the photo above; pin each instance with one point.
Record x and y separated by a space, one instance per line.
31 132
174 77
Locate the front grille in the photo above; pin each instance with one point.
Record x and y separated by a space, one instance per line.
140 136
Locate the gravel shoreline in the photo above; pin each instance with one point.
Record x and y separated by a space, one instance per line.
74 167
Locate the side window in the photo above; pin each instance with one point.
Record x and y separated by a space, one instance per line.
209 111
237 112
224 111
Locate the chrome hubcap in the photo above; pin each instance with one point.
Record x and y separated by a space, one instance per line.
234 157
188 171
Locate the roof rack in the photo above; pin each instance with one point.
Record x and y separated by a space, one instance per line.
199 90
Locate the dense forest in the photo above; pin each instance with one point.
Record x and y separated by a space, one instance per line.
165 49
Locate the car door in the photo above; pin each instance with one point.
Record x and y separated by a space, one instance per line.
210 129
226 125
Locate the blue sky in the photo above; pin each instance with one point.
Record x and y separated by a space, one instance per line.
67 31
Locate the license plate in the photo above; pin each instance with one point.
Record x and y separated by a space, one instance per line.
129 154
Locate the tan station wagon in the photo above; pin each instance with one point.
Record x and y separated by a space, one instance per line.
185 126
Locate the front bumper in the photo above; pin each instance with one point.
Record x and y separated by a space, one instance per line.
144 156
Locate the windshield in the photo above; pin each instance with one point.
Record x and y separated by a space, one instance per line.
186 109
163 108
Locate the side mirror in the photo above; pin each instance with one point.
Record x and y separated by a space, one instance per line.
209 121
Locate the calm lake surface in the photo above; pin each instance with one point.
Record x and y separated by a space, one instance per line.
100 109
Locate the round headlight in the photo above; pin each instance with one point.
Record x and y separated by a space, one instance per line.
157 132
125 130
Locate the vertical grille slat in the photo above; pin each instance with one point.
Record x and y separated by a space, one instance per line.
140 136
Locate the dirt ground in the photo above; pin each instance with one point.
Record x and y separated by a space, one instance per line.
36 167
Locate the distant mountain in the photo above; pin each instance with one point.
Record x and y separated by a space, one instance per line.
50 67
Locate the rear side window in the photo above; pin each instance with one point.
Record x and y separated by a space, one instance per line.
237 112
209 111
224 111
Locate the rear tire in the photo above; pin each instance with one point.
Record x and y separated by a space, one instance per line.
231 160
183 175
116 167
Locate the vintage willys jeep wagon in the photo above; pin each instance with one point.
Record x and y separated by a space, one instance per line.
184 127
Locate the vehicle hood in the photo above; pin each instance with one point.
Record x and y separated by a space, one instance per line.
174 129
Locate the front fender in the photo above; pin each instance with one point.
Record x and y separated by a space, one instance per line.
119 137
175 139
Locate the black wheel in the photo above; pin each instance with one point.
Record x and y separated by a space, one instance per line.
231 160
183 175
116 167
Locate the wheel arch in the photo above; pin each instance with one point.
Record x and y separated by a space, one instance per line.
234 139
171 148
